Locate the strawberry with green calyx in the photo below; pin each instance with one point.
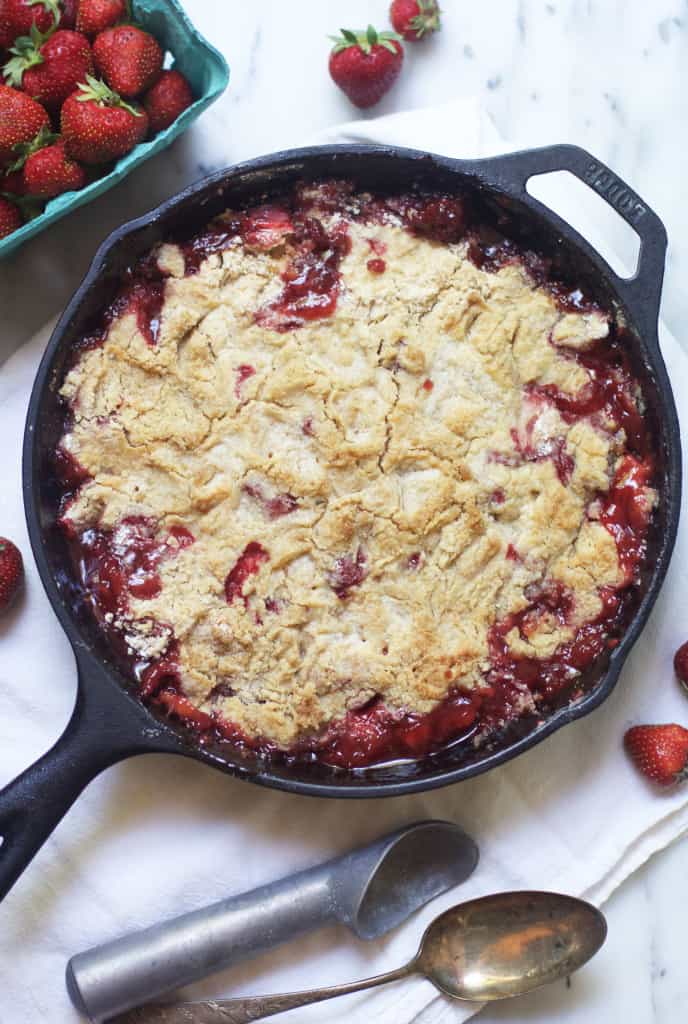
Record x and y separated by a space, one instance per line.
129 59
11 572
98 125
660 752
49 172
21 119
94 16
23 150
10 221
365 65
18 16
166 100
49 67
415 19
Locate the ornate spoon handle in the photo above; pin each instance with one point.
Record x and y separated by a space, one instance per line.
241 1011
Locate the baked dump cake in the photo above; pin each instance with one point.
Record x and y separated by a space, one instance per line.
350 478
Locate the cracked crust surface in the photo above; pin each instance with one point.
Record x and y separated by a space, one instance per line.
383 444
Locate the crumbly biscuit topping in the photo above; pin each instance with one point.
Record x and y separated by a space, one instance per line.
329 469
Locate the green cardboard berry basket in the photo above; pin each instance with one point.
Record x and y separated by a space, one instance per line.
206 70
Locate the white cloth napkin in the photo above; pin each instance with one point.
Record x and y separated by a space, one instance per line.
160 835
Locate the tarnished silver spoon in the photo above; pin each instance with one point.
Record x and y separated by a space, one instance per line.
490 948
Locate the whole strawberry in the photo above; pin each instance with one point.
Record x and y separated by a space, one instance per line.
49 68
18 16
10 220
98 125
660 752
50 172
11 572
365 65
21 119
681 665
129 59
167 99
415 19
94 16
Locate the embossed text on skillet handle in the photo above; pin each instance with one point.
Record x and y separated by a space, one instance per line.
617 194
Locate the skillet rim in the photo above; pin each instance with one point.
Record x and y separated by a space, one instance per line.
492 174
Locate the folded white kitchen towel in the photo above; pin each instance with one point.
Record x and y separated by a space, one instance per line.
159 835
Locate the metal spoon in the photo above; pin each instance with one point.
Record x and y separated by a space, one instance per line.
491 948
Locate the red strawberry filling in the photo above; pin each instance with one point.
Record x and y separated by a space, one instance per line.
266 227
374 734
348 571
215 239
248 564
441 219
276 507
243 373
376 266
610 394
116 564
378 246
312 278
69 470
626 512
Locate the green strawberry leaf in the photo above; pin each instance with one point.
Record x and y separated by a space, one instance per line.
428 20
30 208
23 150
97 91
25 54
365 41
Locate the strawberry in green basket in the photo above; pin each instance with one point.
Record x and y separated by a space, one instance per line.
94 16
98 125
10 220
21 119
49 68
48 172
166 100
18 16
129 59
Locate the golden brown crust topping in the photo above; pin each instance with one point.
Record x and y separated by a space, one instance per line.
404 486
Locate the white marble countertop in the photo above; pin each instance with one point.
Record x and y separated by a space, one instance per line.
611 75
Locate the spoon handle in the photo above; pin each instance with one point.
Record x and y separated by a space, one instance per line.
241 1011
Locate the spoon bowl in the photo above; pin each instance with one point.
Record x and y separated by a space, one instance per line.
509 944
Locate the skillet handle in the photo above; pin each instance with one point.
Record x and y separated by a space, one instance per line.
642 292
100 733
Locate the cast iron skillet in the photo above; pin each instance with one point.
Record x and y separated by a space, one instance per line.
109 724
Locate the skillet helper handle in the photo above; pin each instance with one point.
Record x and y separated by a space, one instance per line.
36 801
123 974
642 291
99 734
